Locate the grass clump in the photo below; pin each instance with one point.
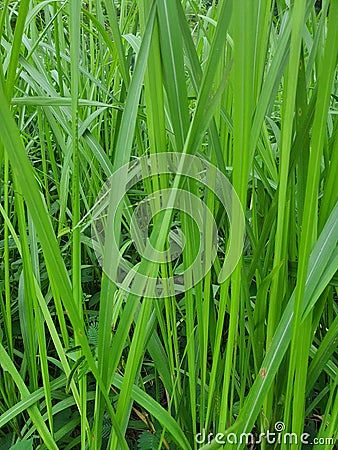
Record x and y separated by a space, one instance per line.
88 87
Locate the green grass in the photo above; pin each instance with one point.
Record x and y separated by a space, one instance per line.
86 88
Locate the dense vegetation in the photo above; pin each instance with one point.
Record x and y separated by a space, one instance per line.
86 87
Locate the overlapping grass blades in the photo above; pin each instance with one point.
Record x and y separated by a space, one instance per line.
250 86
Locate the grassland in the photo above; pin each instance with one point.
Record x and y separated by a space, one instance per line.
250 86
